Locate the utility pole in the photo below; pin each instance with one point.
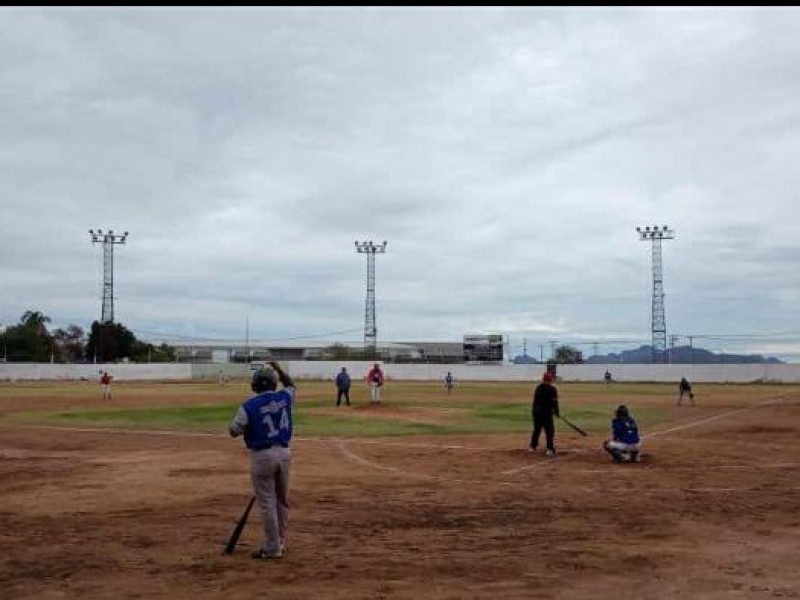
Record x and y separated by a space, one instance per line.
370 327
247 338
672 340
655 235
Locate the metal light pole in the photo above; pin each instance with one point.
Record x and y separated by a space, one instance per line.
108 239
655 235
370 328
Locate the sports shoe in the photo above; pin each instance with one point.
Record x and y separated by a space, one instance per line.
260 554
532 450
550 453
635 457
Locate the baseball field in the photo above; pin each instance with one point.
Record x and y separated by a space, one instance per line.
427 496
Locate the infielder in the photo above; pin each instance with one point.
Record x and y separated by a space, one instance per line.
685 389
343 387
375 382
266 422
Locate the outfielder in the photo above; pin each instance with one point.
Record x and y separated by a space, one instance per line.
624 445
105 385
266 422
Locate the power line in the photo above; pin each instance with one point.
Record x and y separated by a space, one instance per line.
165 335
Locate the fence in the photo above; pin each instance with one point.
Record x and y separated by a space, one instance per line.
722 373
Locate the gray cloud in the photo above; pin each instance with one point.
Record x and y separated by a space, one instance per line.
506 155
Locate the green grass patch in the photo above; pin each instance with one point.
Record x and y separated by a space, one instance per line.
472 417
472 408
217 416
328 425
162 417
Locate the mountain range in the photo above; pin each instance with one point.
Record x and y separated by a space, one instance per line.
677 355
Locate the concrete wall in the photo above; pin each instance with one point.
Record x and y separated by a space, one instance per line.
667 373
120 372
211 370
695 373
786 373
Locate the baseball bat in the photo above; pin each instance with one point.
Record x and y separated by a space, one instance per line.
575 427
237 531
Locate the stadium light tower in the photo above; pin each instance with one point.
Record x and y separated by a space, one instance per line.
370 329
108 240
655 235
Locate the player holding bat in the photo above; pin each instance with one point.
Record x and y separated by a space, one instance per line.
545 406
265 420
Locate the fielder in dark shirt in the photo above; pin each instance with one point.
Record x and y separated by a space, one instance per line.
685 389
343 387
545 406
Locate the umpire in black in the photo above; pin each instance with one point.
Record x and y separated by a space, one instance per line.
545 406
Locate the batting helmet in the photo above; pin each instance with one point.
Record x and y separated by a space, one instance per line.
621 412
264 380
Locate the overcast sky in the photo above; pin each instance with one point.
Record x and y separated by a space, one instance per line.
506 155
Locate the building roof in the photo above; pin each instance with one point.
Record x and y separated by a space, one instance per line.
294 344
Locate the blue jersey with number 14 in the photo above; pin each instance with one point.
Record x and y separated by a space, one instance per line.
269 419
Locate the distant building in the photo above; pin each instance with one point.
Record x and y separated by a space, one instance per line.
236 351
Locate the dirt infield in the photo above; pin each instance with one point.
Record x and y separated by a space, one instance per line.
713 511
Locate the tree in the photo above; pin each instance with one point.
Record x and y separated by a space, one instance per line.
163 353
35 321
144 352
567 355
111 342
338 352
29 341
70 344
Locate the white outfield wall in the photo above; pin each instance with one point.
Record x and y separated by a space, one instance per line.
120 372
327 370
782 373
